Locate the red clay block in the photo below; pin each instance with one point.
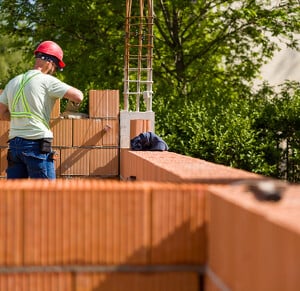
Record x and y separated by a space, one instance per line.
117 223
111 226
187 169
166 281
64 282
253 239
93 236
52 244
102 225
35 220
110 132
87 132
4 279
4 131
103 162
178 233
62 132
83 219
56 110
138 126
124 174
36 281
3 162
121 224
74 217
89 228
13 215
44 231
74 161
212 285
3 224
28 231
128 166
104 103
67 219
221 238
89 281
34 217
280 249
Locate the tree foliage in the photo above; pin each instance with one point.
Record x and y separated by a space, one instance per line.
11 58
207 55
90 33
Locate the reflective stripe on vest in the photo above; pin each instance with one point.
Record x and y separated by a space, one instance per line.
20 96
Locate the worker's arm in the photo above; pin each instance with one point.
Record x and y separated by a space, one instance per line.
4 112
74 95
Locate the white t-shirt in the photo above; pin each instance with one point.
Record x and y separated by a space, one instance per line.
41 93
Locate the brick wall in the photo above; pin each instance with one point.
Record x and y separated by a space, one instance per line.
86 234
205 233
85 147
101 235
252 244
167 166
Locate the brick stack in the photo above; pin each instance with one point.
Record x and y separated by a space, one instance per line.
85 147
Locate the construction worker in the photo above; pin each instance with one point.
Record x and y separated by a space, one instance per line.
27 101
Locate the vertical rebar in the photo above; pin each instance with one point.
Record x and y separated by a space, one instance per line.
138 55
150 55
126 54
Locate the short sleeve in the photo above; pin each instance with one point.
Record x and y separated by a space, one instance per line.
57 88
3 98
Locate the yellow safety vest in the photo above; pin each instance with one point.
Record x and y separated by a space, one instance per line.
20 97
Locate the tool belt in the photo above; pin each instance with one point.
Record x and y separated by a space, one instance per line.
45 144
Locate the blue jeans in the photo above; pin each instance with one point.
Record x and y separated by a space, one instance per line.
25 160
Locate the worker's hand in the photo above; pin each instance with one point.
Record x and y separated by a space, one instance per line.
74 95
72 106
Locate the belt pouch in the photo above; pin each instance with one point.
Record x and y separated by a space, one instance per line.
45 145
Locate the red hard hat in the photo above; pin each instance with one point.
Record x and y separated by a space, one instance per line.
51 48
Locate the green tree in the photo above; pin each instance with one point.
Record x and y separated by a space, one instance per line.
208 53
225 42
278 124
11 58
